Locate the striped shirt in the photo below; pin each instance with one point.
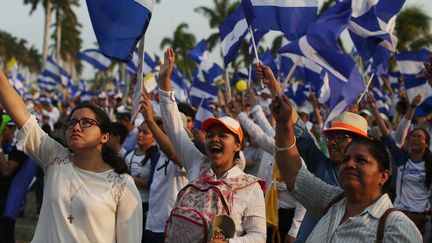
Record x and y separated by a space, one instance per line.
315 195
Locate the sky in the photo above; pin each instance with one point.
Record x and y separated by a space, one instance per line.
167 15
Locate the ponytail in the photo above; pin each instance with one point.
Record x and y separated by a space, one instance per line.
111 157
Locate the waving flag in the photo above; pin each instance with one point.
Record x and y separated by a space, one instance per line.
372 25
292 17
201 56
320 46
149 65
382 101
411 62
201 90
52 75
298 93
119 25
96 58
232 32
204 111
419 85
179 86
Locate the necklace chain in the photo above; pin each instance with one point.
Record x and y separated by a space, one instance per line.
72 197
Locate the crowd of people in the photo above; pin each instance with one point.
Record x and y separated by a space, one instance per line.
256 172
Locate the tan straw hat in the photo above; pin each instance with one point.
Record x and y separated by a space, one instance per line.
349 122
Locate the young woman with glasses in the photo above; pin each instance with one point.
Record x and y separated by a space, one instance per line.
88 196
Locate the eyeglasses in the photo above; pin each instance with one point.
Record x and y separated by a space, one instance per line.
338 138
83 123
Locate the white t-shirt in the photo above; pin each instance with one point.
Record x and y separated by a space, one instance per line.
411 194
168 180
137 169
105 206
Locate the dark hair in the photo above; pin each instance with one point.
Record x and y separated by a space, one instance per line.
109 155
120 130
427 156
187 110
378 150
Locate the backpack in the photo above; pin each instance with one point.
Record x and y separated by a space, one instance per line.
199 202
381 222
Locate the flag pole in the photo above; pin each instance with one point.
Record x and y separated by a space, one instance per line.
227 87
291 72
366 89
249 75
260 84
139 84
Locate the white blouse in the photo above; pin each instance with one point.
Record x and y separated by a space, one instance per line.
105 207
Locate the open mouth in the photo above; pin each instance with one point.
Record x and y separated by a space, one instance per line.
216 149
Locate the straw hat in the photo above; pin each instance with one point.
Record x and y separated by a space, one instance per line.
349 122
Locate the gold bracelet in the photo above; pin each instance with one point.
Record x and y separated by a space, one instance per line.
277 149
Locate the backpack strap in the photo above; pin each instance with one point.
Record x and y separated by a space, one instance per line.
336 199
381 224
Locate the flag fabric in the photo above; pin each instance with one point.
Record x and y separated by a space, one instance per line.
53 74
201 90
201 56
179 86
18 189
297 92
269 60
232 32
382 100
149 65
18 84
411 62
292 17
372 25
320 46
419 85
119 25
96 58
204 111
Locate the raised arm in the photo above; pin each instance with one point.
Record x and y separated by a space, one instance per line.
379 120
162 139
12 102
286 154
173 125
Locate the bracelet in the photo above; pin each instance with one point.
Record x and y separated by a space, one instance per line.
277 149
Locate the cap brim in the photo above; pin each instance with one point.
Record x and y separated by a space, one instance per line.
209 122
345 129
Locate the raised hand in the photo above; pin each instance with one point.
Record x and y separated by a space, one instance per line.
265 74
313 99
416 100
146 108
281 109
166 69
234 107
370 99
251 99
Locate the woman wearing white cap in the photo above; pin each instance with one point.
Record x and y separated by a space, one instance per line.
217 168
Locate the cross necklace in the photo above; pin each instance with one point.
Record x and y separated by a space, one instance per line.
72 197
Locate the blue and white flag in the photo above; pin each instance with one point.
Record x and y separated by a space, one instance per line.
320 46
232 32
410 63
297 92
372 25
179 86
419 85
201 56
149 65
96 58
53 74
204 111
201 90
119 25
292 17
382 100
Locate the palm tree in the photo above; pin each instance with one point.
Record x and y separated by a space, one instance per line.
217 15
47 6
413 29
181 42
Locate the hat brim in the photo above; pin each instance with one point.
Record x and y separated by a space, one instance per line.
209 122
333 129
